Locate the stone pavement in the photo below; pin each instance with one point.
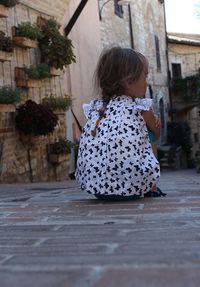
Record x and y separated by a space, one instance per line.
54 235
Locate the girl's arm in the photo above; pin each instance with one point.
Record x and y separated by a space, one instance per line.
152 122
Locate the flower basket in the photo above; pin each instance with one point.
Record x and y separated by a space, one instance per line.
3 11
5 56
23 42
58 104
6 47
7 108
58 158
23 81
56 49
8 97
59 150
35 119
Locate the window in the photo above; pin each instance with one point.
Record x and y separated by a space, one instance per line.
118 9
176 71
157 46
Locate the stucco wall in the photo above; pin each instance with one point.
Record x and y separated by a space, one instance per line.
86 40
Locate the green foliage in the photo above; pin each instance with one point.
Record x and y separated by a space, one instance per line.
8 3
62 145
54 102
9 95
189 88
6 44
38 72
28 30
179 134
56 49
35 119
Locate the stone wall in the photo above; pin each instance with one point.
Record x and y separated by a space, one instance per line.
20 162
189 58
147 22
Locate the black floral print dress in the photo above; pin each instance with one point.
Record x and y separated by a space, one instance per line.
119 159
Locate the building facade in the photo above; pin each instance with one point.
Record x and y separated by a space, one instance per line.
20 162
141 25
184 63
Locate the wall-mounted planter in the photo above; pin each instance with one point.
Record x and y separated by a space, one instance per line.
55 72
3 11
7 108
58 158
5 56
23 42
23 81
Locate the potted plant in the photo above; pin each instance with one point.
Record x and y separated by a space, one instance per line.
197 160
25 35
59 150
30 77
56 49
6 47
39 72
5 5
34 119
57 103
8 97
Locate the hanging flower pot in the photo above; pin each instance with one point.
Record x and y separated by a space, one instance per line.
26 35
5 56
3 11
8 97
35 119
58 158
59 151
6 47
23 81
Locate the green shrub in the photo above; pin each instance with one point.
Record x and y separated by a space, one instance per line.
9 95
62 145
8 3
38 72
35 119
6 44
54 102
28 30
56 49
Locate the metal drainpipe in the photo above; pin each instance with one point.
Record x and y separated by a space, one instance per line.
168 70
130 26
75 16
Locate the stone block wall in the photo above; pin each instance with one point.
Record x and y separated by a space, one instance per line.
20 162
147 22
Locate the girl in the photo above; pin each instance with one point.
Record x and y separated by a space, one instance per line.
115 159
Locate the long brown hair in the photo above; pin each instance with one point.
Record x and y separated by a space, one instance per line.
115 67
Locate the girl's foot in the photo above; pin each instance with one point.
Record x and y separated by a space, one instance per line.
157 193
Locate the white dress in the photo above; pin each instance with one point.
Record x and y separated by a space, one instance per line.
119 159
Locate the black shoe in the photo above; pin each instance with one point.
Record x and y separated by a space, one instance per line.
157 193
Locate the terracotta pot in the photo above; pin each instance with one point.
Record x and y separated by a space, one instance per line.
3 11
5 56
4 108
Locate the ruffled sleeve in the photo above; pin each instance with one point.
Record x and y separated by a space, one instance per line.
142 104
90 107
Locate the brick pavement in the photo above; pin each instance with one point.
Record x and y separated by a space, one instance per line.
52 234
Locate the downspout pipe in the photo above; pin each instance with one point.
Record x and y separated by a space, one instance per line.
75 16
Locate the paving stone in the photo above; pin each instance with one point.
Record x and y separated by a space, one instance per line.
53 234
